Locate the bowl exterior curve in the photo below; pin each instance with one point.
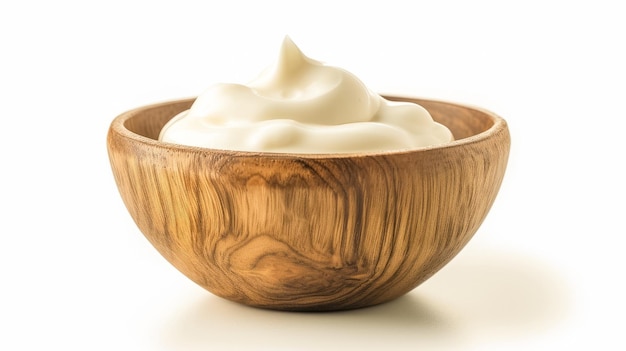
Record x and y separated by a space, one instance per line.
298 232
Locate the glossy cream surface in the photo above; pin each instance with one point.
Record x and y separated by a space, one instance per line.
300 105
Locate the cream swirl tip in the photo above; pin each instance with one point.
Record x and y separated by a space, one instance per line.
300 105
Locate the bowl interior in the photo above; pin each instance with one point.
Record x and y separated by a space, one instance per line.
462 121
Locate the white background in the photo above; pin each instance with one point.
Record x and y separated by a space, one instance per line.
544 272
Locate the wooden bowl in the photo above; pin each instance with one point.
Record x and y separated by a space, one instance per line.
309 232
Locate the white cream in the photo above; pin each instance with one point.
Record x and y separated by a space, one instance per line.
300 105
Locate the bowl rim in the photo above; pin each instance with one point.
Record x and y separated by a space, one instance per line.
118 127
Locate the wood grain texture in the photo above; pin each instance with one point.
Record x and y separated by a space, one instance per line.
309 232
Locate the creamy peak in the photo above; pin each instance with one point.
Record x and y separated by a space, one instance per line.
300 105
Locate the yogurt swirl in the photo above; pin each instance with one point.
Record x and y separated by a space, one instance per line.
300 105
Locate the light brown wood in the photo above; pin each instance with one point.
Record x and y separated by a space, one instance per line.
309 232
